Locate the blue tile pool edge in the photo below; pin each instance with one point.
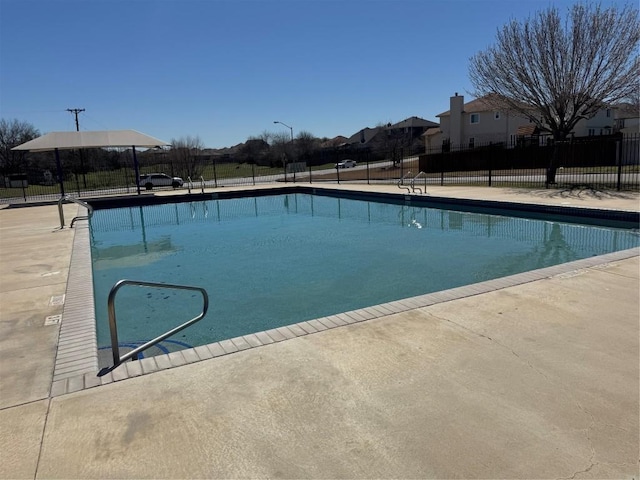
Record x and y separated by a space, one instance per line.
76 364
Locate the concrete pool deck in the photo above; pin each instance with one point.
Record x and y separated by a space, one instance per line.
537 380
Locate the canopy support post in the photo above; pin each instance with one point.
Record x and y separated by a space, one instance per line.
136 167
60 175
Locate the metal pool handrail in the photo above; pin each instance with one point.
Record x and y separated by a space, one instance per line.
413 181
115 348
79 202
190 184
401 182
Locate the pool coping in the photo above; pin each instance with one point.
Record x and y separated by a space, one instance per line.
76 364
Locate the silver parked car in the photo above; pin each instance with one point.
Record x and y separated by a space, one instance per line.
151 180
346 164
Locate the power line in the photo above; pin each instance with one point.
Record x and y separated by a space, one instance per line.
91 119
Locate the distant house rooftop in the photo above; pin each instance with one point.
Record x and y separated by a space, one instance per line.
432 131
414 122
487 103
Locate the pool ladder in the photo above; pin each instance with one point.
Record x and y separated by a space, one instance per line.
413 182
77 201
113 328
401 182
411 188
190 184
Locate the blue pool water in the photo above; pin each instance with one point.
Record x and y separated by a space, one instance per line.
276 260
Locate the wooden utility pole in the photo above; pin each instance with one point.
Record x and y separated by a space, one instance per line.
76 111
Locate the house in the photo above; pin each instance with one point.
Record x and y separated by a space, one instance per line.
365 136
481 122
410 128
334 142
478 122
627 119
602 123
395 139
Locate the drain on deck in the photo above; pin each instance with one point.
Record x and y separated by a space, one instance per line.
52 319
56 300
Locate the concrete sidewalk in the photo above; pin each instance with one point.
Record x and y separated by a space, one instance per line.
539 380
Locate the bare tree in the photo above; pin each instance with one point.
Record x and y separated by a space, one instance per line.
556 73
266 136
306 143
253 150
281 148
391 143
14 133
185 156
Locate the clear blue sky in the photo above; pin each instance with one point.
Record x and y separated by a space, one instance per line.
224 70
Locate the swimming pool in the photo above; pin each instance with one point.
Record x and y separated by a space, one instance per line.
274 260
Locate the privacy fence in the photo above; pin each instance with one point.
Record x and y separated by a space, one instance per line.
600 163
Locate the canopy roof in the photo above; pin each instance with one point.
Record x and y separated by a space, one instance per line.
95 139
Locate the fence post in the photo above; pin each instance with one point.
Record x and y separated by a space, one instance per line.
310 174
136 167
60 174
24 189
368 179
253 173
215 174
619 163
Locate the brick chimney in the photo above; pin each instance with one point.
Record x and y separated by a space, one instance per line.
456 109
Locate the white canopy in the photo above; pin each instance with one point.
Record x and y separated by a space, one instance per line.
95 139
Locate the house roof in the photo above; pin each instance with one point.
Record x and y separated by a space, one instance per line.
627 110
488 103
413 122
527 130
367 134
431 132
334 142
90 139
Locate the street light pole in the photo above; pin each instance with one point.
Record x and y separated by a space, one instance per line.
284 162
290 128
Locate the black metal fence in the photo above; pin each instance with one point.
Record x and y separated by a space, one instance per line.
602 163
